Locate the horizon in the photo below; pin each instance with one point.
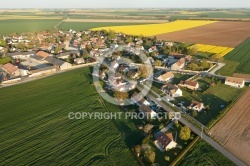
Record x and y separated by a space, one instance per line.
17 4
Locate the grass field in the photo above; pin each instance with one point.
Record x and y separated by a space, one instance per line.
35 128
240 54
204 154
89 25
26 25
155 29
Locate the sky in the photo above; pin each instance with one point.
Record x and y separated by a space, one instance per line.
125 4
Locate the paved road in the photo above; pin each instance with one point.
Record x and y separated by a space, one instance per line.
198 132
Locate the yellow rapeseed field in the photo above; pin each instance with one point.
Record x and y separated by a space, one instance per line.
155 29
219 51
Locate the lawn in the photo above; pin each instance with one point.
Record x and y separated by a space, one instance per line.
229 69
78 26
204 154
217 98
35 128
5 60
240 54
26 25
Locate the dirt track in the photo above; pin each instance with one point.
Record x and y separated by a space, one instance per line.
224 33
233 130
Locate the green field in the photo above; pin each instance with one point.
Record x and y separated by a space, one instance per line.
35 128
241 54
26 25
204 154
88 25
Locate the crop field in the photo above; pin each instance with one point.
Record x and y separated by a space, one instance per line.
26 25
233 130
35 128
155 29
217 50
204 154
241 54
89 25
223 33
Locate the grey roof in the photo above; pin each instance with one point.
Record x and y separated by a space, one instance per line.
46 68
37 57
14 53
21 53
54 61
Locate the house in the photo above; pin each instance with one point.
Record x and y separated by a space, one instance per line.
180 64
20 55
147 112
62 65
116 82
63 55
79 61
12 70
174 55
152 49
42 54
235 82
166 77
172 90
114 65
100 74
196 106
132 74
139 100
193 85
166 141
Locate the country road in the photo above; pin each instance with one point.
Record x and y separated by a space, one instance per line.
198 132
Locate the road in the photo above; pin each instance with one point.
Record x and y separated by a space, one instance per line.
197 131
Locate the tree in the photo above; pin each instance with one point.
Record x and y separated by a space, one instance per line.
85 54
147 128
142 71
185 133
192 51
150 155
158 63
167 158
204 64
138 150
193 66
2 42
194 113
121 95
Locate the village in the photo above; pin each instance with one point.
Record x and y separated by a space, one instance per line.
178 79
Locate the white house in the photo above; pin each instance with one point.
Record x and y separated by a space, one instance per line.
166 141
196 106
180 64
235 82
172 90
166 77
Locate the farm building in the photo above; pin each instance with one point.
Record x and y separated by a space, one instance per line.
12 70
62 65
166 77
17 55
235 82
196 106
172 90
193 85
166 141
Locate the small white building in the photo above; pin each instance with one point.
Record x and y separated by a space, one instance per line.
172 90
166 141
196 106
235 82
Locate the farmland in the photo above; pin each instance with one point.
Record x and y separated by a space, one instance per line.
240 54
204 154
89 25
225 34
232 131
35 128
155 29
26 25
218 51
